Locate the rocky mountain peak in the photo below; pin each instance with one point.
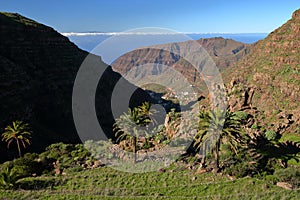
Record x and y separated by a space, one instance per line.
296 15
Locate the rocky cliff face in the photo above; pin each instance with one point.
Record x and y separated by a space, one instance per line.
224 52
38 68
272 70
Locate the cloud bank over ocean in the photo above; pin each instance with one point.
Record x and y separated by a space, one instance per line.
68 34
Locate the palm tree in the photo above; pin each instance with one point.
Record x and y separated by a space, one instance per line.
126 127
149 119
137 123
18 132
218 127
145 113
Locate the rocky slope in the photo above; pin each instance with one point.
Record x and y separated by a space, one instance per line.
271 71
38 68
263 78
224 52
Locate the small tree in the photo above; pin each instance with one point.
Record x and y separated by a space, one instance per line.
18 132
219 126
126 127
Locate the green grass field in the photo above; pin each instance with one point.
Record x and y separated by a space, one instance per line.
291 137
107 183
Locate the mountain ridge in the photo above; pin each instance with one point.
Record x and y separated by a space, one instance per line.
272 70
275 60
38 69
222 51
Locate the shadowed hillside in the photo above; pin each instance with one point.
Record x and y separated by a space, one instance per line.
38 68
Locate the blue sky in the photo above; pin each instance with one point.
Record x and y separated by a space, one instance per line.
202 16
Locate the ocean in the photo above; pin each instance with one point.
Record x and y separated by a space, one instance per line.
112 45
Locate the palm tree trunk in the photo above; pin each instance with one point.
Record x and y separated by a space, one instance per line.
19 149
216 167
134 148
203 154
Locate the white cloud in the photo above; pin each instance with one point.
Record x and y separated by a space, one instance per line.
144 33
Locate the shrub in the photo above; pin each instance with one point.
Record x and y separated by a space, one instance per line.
160 138
56 151
68 155
270 135
241 169
242 165
8 177
289 175
241 115
28 165
25 166
99 149
271 179
147 145
254 126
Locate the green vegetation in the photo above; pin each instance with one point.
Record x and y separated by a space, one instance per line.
241 115
270 135
219 127
290 175
20 19
250 167
295 137
106 183
254 126
9 177
129 126
236 160
66 155
243 166
55 160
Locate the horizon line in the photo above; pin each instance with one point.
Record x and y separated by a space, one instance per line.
95 33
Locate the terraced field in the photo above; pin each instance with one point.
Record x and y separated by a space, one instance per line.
106 183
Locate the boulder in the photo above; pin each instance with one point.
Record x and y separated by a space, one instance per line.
285 185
